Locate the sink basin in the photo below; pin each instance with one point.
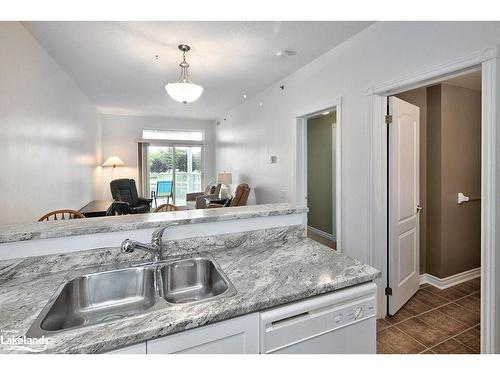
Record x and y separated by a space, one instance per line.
115 293
191 280
101 297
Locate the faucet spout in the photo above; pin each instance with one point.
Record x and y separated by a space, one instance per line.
158 235
129 246
155 248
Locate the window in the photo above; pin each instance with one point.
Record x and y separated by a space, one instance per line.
171 164
173 135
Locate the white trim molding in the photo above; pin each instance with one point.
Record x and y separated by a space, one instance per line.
487 60
446 282
434 74
490 209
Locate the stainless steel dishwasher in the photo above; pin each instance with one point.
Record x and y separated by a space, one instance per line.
341 322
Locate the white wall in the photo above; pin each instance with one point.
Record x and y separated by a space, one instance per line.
384 51
49 132
120 135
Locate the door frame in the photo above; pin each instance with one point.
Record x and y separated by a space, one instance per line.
490 154
301 161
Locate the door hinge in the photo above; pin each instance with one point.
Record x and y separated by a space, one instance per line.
388 291
388 119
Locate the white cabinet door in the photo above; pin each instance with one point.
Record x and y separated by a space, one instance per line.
235 336
132 349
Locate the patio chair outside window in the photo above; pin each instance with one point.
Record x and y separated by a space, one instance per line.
163 190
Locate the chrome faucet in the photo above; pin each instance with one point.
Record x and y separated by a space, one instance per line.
155 247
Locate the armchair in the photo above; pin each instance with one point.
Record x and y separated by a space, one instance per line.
118 208
124 193
240 198
199 199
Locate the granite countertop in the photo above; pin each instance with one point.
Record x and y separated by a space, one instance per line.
54 229
265 275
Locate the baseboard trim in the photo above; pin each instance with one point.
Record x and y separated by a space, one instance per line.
450 280
321 233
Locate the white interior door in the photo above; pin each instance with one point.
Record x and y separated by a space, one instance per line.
404 268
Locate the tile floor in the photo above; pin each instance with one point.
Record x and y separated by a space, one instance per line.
434 321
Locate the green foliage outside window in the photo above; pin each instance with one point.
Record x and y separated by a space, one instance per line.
161 160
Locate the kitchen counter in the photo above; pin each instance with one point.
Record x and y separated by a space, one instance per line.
282 268
64 228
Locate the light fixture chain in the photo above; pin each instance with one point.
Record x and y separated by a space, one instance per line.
184 69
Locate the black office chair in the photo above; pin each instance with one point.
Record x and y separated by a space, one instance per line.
124 192
118 208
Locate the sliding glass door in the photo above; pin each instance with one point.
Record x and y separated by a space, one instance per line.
187 176
160 173
174 171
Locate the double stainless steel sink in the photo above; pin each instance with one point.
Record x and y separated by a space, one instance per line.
111 294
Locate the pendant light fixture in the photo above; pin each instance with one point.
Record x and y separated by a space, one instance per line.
184 90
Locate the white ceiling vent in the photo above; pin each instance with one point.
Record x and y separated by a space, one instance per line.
286 53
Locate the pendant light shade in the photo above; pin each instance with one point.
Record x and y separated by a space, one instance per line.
184 90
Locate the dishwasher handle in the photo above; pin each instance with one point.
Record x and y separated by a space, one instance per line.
290 319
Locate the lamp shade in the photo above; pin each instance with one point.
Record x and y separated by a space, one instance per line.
113 161
225 178
184 92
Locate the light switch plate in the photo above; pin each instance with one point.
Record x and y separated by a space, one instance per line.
282 195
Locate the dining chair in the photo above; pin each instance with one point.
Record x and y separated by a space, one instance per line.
64 214
166 207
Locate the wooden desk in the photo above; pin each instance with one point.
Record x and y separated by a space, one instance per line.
96 208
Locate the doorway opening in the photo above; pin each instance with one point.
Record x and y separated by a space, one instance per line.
434 217
318 172
320 134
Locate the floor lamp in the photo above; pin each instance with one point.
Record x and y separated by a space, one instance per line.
113 161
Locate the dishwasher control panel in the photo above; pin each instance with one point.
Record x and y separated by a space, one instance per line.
338 314
352 313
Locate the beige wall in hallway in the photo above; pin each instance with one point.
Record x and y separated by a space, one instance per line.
433 187
461 172
454 152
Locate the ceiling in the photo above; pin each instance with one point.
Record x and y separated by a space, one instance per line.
470 81
114 62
